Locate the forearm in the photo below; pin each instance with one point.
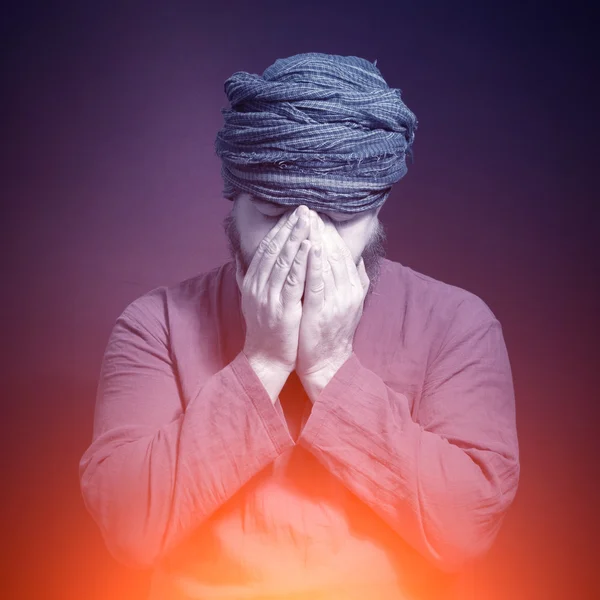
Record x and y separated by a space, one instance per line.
271 376
149 488
447 502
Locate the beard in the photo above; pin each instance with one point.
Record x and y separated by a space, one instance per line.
372 254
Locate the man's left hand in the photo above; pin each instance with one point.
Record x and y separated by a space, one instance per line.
334 294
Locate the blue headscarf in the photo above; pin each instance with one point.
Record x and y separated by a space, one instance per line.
316 129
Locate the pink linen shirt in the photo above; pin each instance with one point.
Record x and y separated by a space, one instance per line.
387 487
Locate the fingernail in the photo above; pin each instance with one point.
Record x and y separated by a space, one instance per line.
317 250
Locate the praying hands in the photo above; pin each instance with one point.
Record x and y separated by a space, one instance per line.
335 290
301 257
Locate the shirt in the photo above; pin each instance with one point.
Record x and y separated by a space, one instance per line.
389 486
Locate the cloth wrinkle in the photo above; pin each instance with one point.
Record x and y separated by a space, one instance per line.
321 129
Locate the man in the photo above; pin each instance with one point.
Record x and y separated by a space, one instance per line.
309 420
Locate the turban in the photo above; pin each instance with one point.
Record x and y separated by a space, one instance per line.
315 129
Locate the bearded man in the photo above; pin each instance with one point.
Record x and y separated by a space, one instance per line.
309 420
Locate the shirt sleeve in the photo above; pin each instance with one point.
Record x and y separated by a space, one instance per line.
154 470
444 480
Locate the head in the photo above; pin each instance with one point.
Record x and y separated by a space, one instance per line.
251 219
322 128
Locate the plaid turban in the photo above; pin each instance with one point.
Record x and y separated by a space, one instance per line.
316 129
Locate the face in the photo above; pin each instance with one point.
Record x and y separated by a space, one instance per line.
250 220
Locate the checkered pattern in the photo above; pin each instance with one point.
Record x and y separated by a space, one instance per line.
319 129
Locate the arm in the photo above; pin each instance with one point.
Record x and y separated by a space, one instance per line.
445 480
155 472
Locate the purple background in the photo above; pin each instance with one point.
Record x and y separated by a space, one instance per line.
112 188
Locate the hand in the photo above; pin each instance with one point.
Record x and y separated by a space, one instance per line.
335 290
272 291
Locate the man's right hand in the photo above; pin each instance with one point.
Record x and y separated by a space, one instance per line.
272 292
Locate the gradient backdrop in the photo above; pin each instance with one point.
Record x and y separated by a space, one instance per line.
112 188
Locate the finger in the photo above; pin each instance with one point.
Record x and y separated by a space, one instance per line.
314 288
328 277
283 262
315 230
293 287
348 277
337 260
263 245
272 251
320 235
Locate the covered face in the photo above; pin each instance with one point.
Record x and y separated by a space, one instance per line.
251 219
322 130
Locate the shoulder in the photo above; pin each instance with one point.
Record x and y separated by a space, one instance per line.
183 300
447 308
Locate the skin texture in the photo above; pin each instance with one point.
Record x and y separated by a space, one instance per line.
249 221
303 279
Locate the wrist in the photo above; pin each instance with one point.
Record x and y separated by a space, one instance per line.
328 369
267 365
272 375
314 382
